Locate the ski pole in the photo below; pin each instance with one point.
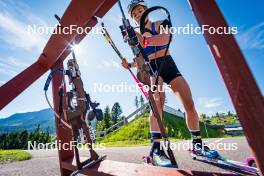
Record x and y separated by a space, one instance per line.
111 42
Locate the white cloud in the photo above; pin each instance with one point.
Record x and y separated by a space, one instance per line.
10 66
115 19
109 64
252 38
16 62
2 82
210 102
7 71
14 30
15 34
14 6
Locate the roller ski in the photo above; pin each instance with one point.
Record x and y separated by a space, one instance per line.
204 154
204 151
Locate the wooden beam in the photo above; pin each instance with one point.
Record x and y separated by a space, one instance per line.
240 83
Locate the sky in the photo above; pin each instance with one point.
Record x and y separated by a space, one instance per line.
100 65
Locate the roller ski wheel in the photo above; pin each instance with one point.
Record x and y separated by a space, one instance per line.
147 160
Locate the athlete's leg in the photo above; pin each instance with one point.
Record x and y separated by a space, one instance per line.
181 88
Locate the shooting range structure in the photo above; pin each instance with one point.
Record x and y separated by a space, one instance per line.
240 83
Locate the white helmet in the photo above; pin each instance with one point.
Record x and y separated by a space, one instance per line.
135 3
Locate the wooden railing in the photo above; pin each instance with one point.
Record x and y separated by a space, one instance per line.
119 124
144 108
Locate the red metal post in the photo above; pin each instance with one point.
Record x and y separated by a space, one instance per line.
64 135
241 85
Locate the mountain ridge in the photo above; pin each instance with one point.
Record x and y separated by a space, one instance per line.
28 121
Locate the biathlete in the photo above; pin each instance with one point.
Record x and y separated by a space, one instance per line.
170 74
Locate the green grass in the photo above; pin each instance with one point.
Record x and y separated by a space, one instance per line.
176 128
226 120
127 143
7 156
130 143
136 133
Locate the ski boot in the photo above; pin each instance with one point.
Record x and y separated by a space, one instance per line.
159 157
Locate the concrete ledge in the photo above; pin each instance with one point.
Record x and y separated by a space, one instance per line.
109 168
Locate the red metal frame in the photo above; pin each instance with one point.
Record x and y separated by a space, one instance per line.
244 92
241 85
64 135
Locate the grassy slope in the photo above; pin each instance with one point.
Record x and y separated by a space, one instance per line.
223 120
7 156
137 132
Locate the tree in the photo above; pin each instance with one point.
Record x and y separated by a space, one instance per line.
203 117
24 139
46 136
107 117
19 139
14 140
136 102
141 100
3 141
116 112
100 126
37 134
229 113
